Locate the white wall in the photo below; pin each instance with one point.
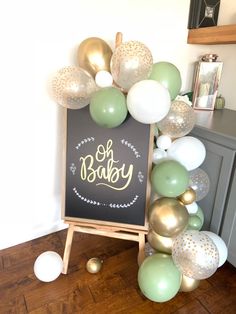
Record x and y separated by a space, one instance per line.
40 37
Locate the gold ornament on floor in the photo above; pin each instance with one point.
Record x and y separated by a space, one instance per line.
188 197
159 243
188 284
94 265
94 55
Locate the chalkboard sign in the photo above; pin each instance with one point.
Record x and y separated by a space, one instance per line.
106 171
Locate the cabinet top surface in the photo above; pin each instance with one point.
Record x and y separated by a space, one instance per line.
222 122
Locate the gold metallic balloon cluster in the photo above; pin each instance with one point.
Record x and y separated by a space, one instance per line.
168 218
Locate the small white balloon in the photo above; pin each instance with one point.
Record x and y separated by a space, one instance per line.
48 266
221 246
163 142
158 154
192 208
148 101
189 151
103 78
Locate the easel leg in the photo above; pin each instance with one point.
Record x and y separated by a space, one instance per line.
141 253
67 250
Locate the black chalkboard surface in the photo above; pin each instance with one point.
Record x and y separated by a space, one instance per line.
107 170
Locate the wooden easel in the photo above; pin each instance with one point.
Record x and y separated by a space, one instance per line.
119 231
102 230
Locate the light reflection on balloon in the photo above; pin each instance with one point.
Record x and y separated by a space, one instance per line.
72 87
179 121
195 254
131 62
94 55
167 217
200 183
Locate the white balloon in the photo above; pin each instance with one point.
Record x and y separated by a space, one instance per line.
148 101
48 266
221 246
163 142
192 208
189 151
103 78
158 154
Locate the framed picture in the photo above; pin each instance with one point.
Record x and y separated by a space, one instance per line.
206 82
203 13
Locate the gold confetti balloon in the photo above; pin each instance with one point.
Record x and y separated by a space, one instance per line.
94 55
72 87
168 217
188 284
195 254
179 121
94 265
131 62
188 197
159 243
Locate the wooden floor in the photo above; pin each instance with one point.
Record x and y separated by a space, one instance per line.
113 290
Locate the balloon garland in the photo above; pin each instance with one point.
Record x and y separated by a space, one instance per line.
113 84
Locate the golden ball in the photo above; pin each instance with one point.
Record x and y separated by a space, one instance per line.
188 197
94 265
188 284
159 243
168 217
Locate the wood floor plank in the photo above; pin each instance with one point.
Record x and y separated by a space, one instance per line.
14 305
114 290
193 307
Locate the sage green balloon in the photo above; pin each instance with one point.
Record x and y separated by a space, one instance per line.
168 75
194 223
158 278
200 214
108 107
169 178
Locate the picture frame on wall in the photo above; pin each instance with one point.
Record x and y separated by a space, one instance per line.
206 83
203 13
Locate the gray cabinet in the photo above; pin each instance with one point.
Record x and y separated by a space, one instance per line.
217 130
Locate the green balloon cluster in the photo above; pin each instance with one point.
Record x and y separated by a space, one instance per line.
108 107
158 278
168 75
169 178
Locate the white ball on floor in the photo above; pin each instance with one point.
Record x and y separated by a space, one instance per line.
48 266
103 78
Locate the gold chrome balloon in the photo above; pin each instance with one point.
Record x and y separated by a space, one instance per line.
168 217
94 55
188 197
159 243
94 265
188 284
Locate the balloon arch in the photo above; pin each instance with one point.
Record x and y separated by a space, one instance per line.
113 84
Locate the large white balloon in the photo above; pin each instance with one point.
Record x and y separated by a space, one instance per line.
148 101
221 246
48 266
189 151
